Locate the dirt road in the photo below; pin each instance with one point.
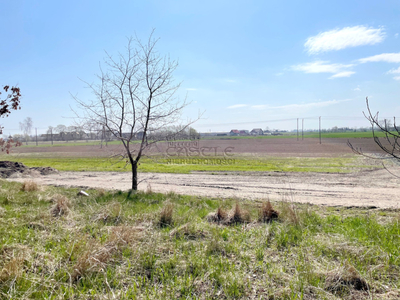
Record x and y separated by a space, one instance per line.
367 188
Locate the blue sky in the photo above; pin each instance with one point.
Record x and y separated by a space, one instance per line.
245 64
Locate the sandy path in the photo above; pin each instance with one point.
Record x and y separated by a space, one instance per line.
368 188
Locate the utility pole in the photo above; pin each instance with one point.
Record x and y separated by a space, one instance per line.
320 130
302 129
297 128
51 134
36 136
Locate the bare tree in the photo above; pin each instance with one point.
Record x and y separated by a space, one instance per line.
26 127
11 102
389 143
134 97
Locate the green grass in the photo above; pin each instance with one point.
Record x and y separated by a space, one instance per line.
199 164
111 246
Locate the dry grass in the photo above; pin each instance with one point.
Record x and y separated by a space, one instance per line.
29 186
13 258
238 215
94 259
345 279
289 214
149 189
101 192
166 215
110 213
188 231
266 213
217 217
124 235
61 207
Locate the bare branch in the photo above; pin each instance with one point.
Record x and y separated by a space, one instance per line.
134 99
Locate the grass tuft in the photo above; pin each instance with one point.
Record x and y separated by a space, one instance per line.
61 207
29 186
344 279
111 213
238 215
266 213
289 213
166 215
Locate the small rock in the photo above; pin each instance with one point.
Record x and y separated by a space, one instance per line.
83 193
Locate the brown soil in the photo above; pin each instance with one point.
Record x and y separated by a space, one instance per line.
309 147
16 169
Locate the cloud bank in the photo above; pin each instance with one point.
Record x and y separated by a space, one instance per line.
347 37
384 57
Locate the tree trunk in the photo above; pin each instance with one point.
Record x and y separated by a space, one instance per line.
134 175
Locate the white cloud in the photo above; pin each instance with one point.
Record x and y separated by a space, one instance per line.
237 106
347 37
394 71
279 74
320 67
396 78
191 89
357 89
385 57
343 74
339 70
396 35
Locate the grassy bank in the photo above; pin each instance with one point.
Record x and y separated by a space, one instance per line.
186 165
56 245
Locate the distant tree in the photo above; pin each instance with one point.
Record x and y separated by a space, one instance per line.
193 134
389 144
60 130
26 127
134 97
8 103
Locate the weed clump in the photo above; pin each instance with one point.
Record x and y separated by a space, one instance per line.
266 213
93 259
166 215
110 214
236 216
29 186
61 207
14 258
343 280
217 217
289 214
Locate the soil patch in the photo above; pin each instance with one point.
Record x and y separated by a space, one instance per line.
15 169
375 188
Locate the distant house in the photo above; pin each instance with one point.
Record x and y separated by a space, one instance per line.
234 132
244 132
139 135
257 131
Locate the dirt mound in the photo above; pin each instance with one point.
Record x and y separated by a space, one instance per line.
11 168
